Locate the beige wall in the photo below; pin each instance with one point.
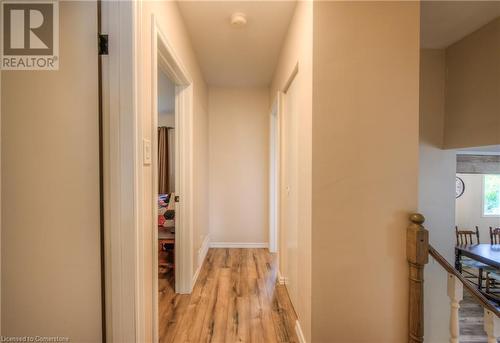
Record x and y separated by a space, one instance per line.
170 21
470 207
297 49
239 165
50 190
365 168
436 190
473 89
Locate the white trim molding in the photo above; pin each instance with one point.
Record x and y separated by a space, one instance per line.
299 332
122 252
239 245
483 193
275 167
202 254
282 280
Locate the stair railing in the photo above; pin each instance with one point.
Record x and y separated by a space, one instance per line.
418 250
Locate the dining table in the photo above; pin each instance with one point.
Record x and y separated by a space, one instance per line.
485 253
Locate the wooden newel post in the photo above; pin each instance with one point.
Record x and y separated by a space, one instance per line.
417 254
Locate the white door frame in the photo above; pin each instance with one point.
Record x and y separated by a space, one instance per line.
121 174
164 57
283 192
125 246
274 172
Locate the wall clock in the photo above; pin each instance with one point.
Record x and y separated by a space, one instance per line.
459 187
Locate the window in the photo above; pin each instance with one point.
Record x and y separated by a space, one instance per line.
491 195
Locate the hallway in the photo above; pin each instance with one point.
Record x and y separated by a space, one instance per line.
236 299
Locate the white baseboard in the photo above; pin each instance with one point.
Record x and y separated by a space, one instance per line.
238 245
202 253
298 331
282 280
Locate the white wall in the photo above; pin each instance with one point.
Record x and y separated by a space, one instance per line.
297 51
436 190
50 189
469 207
365 167
239 165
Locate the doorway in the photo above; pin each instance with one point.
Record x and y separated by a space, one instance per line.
284 182
166 157
274 173
131 171
172 188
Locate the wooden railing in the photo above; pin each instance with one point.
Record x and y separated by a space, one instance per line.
417 253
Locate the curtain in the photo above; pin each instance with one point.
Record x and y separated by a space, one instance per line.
171 159
163 161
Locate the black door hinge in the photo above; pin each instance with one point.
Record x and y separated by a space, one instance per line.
103 44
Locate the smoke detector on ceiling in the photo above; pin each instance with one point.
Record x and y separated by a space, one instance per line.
238 19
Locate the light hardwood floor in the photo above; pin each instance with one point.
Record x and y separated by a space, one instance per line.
236 299
471 320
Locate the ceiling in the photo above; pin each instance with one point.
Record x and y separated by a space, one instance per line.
446 22
166 94
237 56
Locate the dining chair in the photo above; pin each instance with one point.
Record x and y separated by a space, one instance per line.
465 237
494 235
469 265
492 281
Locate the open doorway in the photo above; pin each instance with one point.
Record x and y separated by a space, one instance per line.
166 157
172 134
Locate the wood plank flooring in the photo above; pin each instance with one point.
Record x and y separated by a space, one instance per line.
236 299
471 320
